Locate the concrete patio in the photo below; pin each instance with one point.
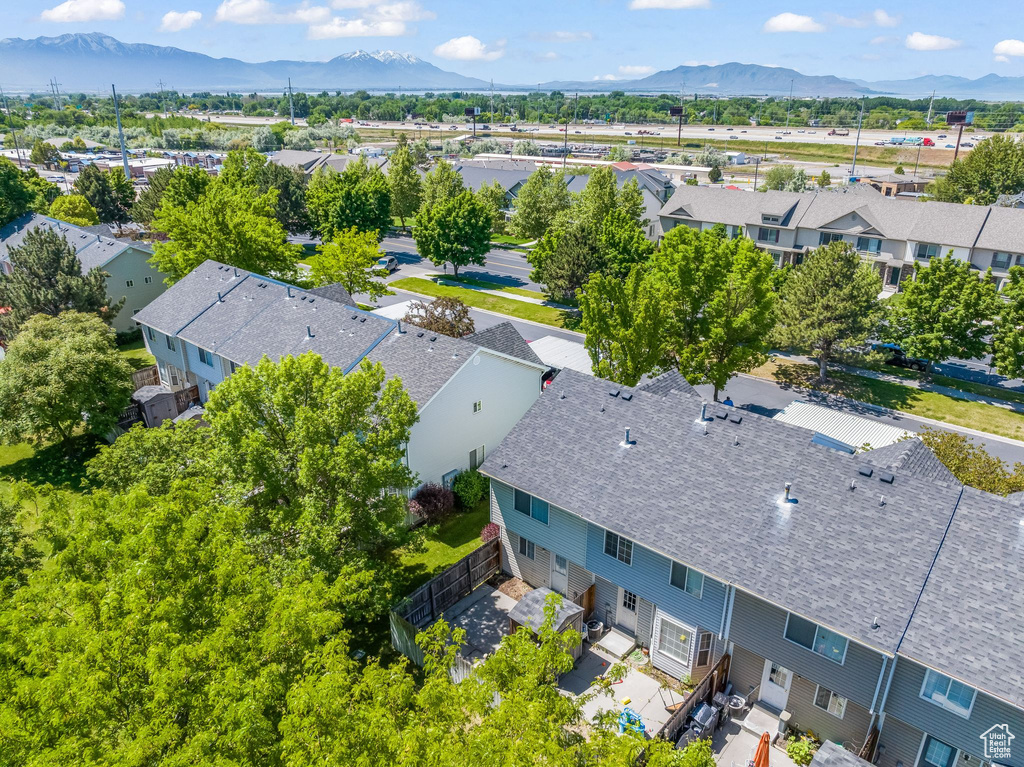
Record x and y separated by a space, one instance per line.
484 616
734 746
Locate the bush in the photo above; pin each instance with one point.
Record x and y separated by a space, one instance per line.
469 487
431 502
489 532
125 337
801 750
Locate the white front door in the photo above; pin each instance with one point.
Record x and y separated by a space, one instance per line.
559 574
625 615
775 684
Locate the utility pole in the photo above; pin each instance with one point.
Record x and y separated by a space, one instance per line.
789 106
160 94
120 135
931 101
757 166
291 106
856 144
575 110
918 160
10 121
492 99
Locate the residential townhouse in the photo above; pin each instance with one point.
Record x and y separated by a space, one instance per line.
707 530
129 273
894 234
218 318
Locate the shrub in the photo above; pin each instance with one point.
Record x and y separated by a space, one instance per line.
469 487
489 532
125 337
801 750
431 502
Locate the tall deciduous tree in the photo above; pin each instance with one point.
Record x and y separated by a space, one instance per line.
16 196
540 200
785 178
493 196
441 184
447 315
565 258
624 322
44 153
144 209
187 185
995 167
405 184
74 209
357 197
829 301
599 197
247 167
237 226
456 232
46 278
623 243
62 374
350 259
1008 333
943 312
109 192
971 464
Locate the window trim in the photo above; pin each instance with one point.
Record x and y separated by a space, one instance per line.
129 283
951 709
817 627
832 696
660 619
205 356
926 246
922 754
478 405
710 649
147 280
171 345
150 333
618 548
530 513
672 566
525 544
767 229
1008 257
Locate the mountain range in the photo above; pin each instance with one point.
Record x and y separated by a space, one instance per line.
91 61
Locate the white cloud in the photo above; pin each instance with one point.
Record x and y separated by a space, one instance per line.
563 36
792 22
605 77
405 11
546 56
635 70
1007 48
877 18
919 41
85 10
883 19
265 12
176 21
1002 59
884 40
338 27
469 48
667 5
695 63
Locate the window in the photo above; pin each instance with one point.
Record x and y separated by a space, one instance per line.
618 547
826 237
527 548
690 581
232 366
151 334
926 250
768 235
948 693
869 244
770 219
170 343
528 505
674 640
704 649
204 356
825 699
937 754
478 406
1001 260
129 283
148 280
827 644
476 457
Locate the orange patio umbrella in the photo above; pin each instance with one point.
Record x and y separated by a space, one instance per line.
761 753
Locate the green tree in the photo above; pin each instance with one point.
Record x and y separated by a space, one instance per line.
565 258
715 174
630 200
441 184
785 178
624 322
144 209
623 243
540 200
943 312
350 260
187 185
824 179
46 278
357 197
492 195
971 464
1008 332
18 555
109 192
618 153
455 231
16 197
74 209
598 198
898 170
62 374
247 167
42 191
44 153
993 168
405 184
237 226
829 301
447 315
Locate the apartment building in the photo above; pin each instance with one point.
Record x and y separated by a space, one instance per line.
892 233
707 530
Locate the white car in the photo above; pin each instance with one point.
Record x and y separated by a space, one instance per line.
388 262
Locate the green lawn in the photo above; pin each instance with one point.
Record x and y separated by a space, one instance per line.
47 465
136 354
982 390
545 315
446 544
494 286
939 407
504 239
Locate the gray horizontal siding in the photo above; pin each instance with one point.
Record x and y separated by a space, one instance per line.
565 533
668 664
580 579
905 703
648 577
898 743
536 571
759 627
852 728
606 599
745 670
644 622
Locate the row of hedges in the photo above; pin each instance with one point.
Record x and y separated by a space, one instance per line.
432 502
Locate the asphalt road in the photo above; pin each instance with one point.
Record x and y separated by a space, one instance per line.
504 267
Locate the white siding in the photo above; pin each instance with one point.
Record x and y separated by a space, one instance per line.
448 428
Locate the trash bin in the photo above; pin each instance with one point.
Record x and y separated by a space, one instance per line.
594 629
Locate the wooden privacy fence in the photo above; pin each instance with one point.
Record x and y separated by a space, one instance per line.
714 681
148 376
423 606
129 416
185 398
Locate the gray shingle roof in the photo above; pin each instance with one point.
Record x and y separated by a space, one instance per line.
93 250
335 293
504 338
970 618
911 456
831 754
828 556
669 381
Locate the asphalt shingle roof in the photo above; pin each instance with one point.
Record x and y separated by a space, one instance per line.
714 500
93 250
912 456
669 381
504 338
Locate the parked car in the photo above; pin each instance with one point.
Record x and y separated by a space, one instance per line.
896 357
734 137
950 146
941 135
388 262
967 144
728 129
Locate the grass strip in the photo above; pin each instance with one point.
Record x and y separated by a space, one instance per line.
546 315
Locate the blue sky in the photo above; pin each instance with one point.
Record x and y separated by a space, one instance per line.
525 41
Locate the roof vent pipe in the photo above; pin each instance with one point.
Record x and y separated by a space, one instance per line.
400 331
289 289
703 410
853 484
789 486
309 332
220 297
874 623
626 440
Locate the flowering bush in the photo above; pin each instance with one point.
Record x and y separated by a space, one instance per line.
431 502
490 532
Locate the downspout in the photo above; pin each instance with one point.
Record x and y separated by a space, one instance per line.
728 614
